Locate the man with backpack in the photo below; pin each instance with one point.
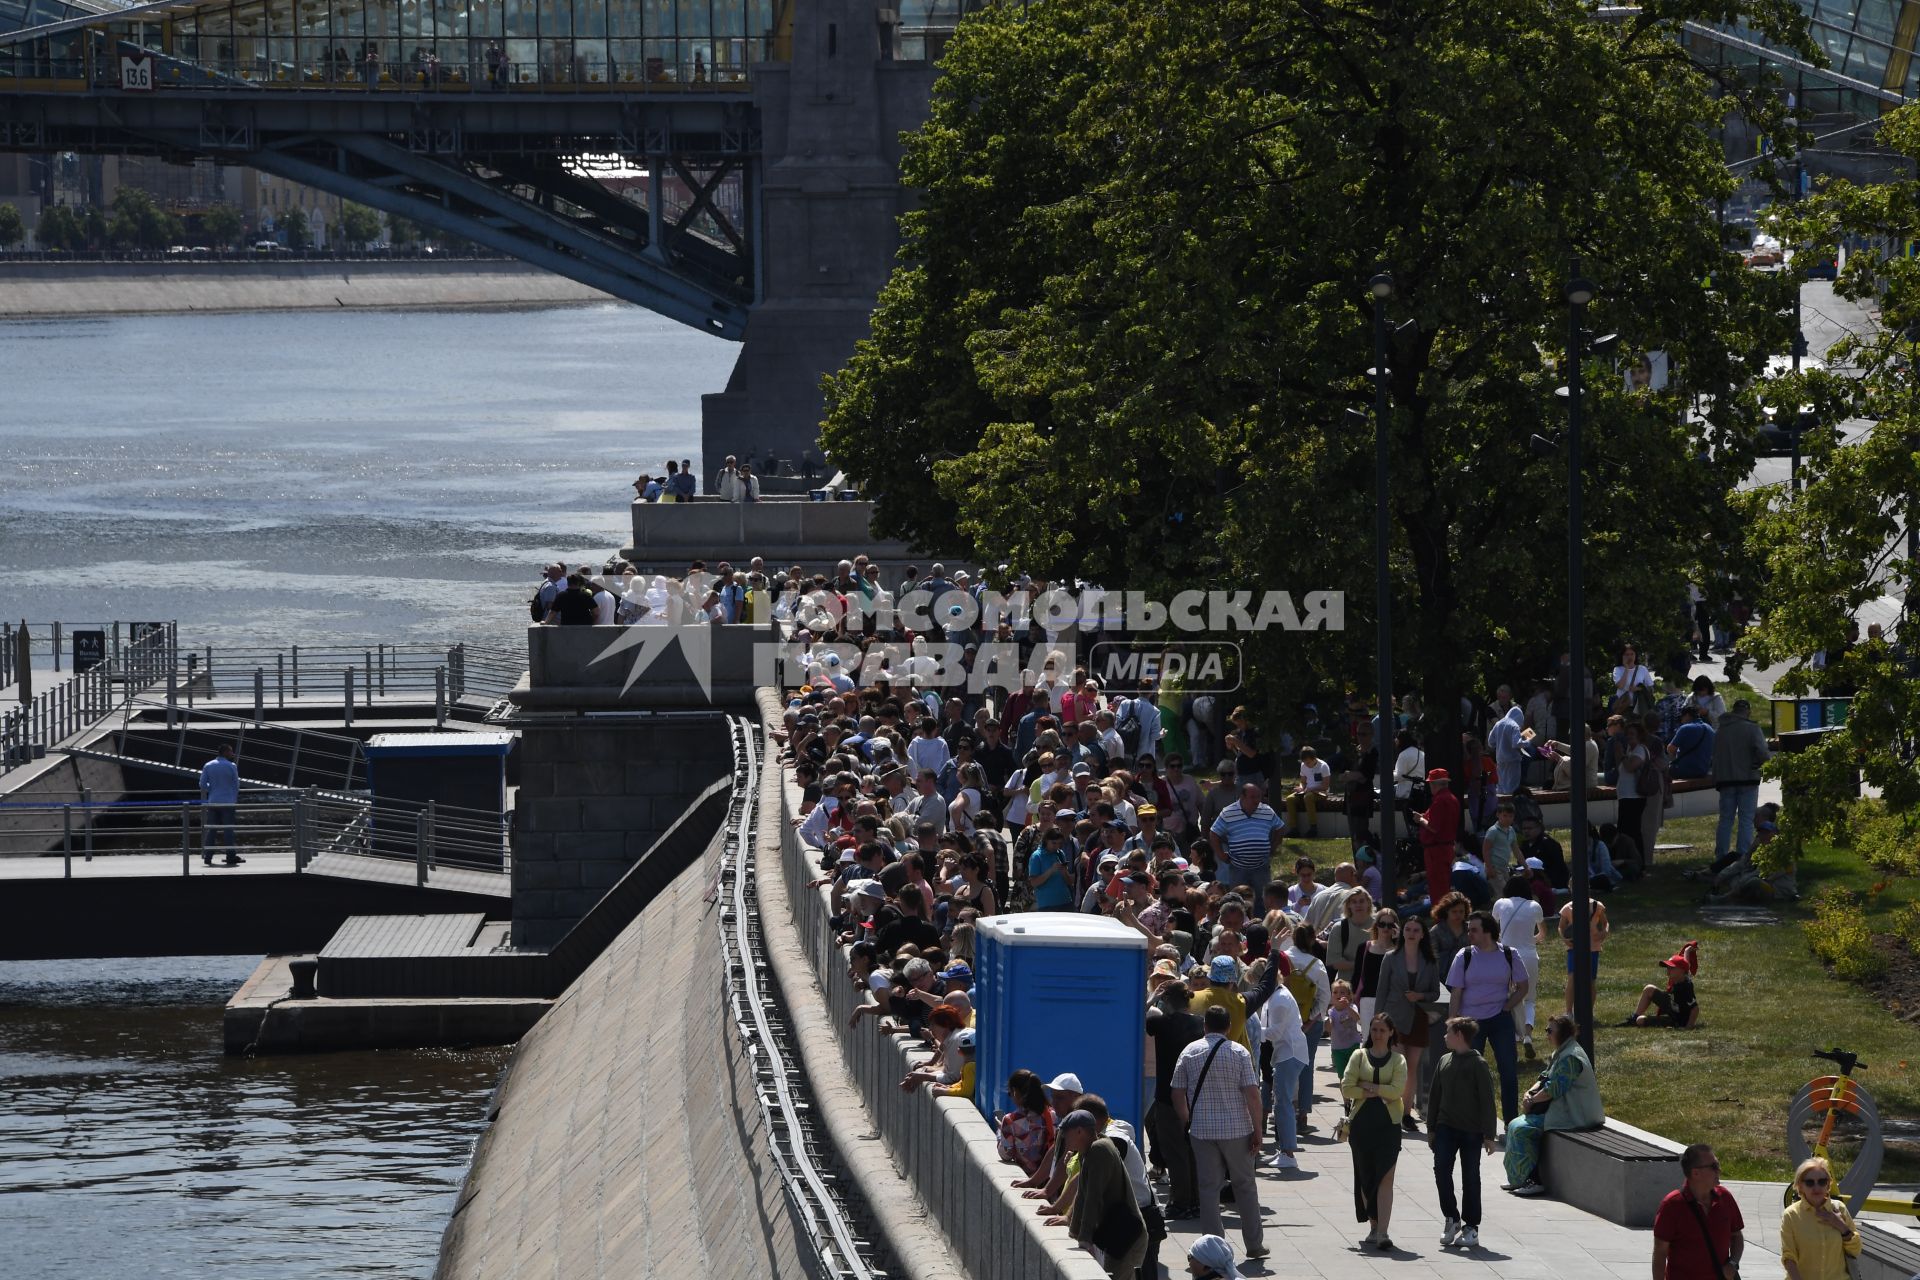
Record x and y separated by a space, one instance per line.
552 584
1489 982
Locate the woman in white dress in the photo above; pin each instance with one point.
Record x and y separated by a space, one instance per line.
1523 927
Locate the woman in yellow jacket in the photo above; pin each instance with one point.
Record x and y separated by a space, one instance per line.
1817 1235
1376 1082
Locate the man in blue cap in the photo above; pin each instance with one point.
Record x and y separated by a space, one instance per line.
1223 978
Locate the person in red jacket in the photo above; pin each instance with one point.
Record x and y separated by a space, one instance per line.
1439 829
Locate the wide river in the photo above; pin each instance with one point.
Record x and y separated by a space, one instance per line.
272 479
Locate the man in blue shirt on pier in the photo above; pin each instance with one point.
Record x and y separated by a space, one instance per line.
219 793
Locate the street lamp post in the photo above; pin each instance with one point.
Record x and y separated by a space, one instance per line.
1579 293
1381 287
1799 349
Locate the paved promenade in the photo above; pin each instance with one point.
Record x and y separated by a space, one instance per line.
1311 1229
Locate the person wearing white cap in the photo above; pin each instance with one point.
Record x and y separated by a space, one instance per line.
1050 1178
1211 1258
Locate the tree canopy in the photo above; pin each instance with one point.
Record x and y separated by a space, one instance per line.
1843 540
223 225
139 223
1131 313
358 225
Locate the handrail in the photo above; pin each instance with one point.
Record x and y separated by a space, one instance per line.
82 701
306 823
825 1220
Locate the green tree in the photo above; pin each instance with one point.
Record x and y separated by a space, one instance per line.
293 223
402 231
139 223
13 228
1844 539
223 225
59 229
93 229
359 226
1131 315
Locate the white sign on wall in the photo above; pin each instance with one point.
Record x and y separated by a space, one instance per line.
136 71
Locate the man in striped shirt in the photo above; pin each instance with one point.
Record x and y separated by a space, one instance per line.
1245 837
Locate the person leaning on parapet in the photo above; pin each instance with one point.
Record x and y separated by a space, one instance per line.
573 604
681 482
219 793
649 488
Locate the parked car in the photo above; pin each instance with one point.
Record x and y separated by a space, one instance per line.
1766 252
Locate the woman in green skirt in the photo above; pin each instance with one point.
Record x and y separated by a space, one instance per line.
1376 1083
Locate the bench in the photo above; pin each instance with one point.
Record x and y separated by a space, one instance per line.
1886 1255
1617 1172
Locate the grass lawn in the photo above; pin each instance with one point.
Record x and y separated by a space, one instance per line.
1766 1003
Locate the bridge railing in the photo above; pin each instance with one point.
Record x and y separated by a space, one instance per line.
618 60
92 834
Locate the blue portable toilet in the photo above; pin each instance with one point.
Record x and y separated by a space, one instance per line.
1061 991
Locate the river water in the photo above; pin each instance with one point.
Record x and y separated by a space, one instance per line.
310 476
273 479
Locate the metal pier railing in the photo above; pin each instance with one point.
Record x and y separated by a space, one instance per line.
147 666
821 1204
302 826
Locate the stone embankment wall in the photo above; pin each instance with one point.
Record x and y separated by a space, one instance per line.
627 1141
45 289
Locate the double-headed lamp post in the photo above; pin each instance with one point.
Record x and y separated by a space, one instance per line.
1579 292
1381 287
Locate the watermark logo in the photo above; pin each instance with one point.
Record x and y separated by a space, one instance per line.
1196 666
848 635
660 633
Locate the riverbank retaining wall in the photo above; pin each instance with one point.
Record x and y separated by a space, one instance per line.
943 1144
627 1140
30 289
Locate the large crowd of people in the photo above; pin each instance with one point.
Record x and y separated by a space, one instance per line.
932 804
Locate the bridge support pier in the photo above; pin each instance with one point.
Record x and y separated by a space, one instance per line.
829 200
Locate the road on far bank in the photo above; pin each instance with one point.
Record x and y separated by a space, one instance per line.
40 289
